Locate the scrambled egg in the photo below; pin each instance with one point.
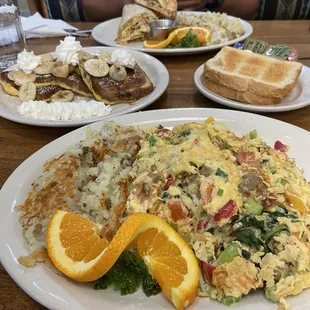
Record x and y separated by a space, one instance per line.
242 205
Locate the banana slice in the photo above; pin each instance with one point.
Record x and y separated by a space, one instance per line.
20 77
85 55
118 72
96 67
61 71
45 68
106 56
11 75
27 92
46 57
62 96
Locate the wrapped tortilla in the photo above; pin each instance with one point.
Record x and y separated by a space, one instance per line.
162 8
134 24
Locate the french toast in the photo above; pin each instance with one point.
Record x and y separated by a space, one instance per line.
243 71
73 82
105 89
43 93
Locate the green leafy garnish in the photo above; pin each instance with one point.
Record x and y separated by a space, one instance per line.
152 140
248 237
127 274
251 221
276 230
150 286
189 40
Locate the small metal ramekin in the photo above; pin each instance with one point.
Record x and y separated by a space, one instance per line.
161 28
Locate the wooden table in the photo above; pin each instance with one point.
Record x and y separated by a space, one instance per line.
17 141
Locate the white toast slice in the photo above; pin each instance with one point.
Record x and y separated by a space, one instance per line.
248 72
243 96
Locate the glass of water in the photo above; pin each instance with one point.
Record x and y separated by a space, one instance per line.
12 40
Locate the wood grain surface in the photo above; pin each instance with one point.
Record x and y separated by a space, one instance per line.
17 141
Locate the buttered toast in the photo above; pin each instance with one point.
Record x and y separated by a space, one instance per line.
243 71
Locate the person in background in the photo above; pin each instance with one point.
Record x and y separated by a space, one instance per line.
101 10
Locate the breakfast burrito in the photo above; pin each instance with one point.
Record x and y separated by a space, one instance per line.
134 23
163 8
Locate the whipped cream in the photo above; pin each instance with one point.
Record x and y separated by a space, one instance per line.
124 58
59 111
68 51
28 61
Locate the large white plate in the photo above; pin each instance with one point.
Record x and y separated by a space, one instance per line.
57 292
106 33
155 70
298 98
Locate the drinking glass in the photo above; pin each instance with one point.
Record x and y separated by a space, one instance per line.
12 40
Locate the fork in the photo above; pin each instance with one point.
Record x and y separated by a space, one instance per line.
82 33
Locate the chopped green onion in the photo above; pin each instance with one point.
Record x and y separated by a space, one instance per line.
228 254
184 133
130 187
229 300
226 145
220 192
152 140
219 172
273 169
253 134
264 160
253 207
283 181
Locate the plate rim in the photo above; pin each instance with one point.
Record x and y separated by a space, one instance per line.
156 93
243 106
170 114
177 51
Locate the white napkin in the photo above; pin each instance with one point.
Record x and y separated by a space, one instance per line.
36 26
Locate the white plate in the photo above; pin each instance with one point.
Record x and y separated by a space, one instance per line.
56 292
106 33
298 98
155 70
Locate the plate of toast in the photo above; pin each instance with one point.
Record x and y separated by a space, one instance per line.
254 82
134 29
57 93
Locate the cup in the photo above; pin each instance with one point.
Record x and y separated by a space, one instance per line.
161 28
12 40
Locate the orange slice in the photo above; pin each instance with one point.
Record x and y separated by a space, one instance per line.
76 249
203 36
